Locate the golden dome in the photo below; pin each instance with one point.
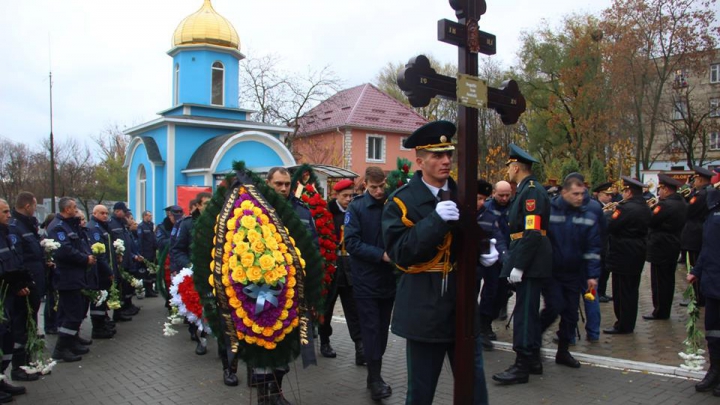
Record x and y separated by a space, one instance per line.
206 27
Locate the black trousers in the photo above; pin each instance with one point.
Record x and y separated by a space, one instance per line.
345 292
374 314
50 314
490 277
424 363
604 277
662 284
562 298
625 300
72 307
699 297
526 317
712 328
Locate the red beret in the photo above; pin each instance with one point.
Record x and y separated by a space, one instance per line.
343 184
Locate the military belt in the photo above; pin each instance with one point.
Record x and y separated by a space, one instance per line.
519 235
438 268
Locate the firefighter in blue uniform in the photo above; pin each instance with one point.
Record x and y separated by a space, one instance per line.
666 225
706 273
16 284
691 239
147 244
119 231
628 226
417 225
373 274
342 284
499 206
163 230
488 269
100 233
527 265
576 244
72 260
24 235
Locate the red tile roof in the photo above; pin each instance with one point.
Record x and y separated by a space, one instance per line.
364 106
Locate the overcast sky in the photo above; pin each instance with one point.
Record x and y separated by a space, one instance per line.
110 65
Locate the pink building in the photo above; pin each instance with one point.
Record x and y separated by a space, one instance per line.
357 128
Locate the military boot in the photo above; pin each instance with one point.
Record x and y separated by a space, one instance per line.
486 333
563 355
535 365
19 359
76 347
100 329
11 389
518 373
83 341
327 351
712 378
359 353
275 389
379 389
62 350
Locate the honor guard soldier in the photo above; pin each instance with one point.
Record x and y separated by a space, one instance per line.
372 273
342 284
666 225
72 260
628 227
604 195
691 239
527 265
417 225
706 272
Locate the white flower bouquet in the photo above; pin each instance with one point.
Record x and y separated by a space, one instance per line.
49 246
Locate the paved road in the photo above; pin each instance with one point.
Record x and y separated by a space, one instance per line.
140 366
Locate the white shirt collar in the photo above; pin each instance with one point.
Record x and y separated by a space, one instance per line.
434 190
340 206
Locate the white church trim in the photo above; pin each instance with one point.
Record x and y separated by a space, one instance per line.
261 137
170 168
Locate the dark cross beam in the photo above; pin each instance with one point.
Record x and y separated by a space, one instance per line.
420 83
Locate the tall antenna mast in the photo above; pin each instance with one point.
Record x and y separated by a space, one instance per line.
52 139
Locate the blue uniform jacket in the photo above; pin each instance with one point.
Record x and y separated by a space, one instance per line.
118 230
146 240
25 237
162 234
707 267
71 259
99 233
372 277
489 223
576 242
180 240
306 218
501 213
11 265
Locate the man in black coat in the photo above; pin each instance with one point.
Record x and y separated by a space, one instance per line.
692 235
72 260
666 225
342 284
707 273
628 227
603 194
373 275
528 265
147 244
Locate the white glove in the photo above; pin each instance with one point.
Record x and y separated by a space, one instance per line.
515 276
488 259
448 210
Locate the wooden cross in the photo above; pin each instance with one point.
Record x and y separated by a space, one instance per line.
420 83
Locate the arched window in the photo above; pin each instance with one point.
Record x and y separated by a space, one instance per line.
141 189
218 84
176 85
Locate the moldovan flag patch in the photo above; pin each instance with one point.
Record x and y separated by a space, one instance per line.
532 222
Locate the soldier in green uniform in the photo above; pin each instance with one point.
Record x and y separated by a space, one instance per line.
417 225
528 265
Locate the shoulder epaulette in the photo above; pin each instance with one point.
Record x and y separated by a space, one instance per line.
532 184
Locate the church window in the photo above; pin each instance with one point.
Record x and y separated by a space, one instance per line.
141 189
176 85
218 83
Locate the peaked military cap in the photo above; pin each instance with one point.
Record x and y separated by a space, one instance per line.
517 154
668 181
606 187
433 136
484 188
703 172
632 183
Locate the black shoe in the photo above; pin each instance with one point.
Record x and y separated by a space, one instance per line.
84 342
51 331
102 333
118 316
379 390
201 347
605 298
131 311
327 351
566 359
711 380
5 397
11 389
19 374
614 331
513 375
79 349
62 350
230 378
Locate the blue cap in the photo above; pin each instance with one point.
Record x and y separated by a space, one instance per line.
120 206
517 154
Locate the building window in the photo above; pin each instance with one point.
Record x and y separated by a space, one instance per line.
218 84
176 85
714 140
715 107
375 146
679 110
141 189
402 142
715 73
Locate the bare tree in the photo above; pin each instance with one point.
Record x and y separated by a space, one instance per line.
15 168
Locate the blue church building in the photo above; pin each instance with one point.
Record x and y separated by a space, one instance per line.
195 141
